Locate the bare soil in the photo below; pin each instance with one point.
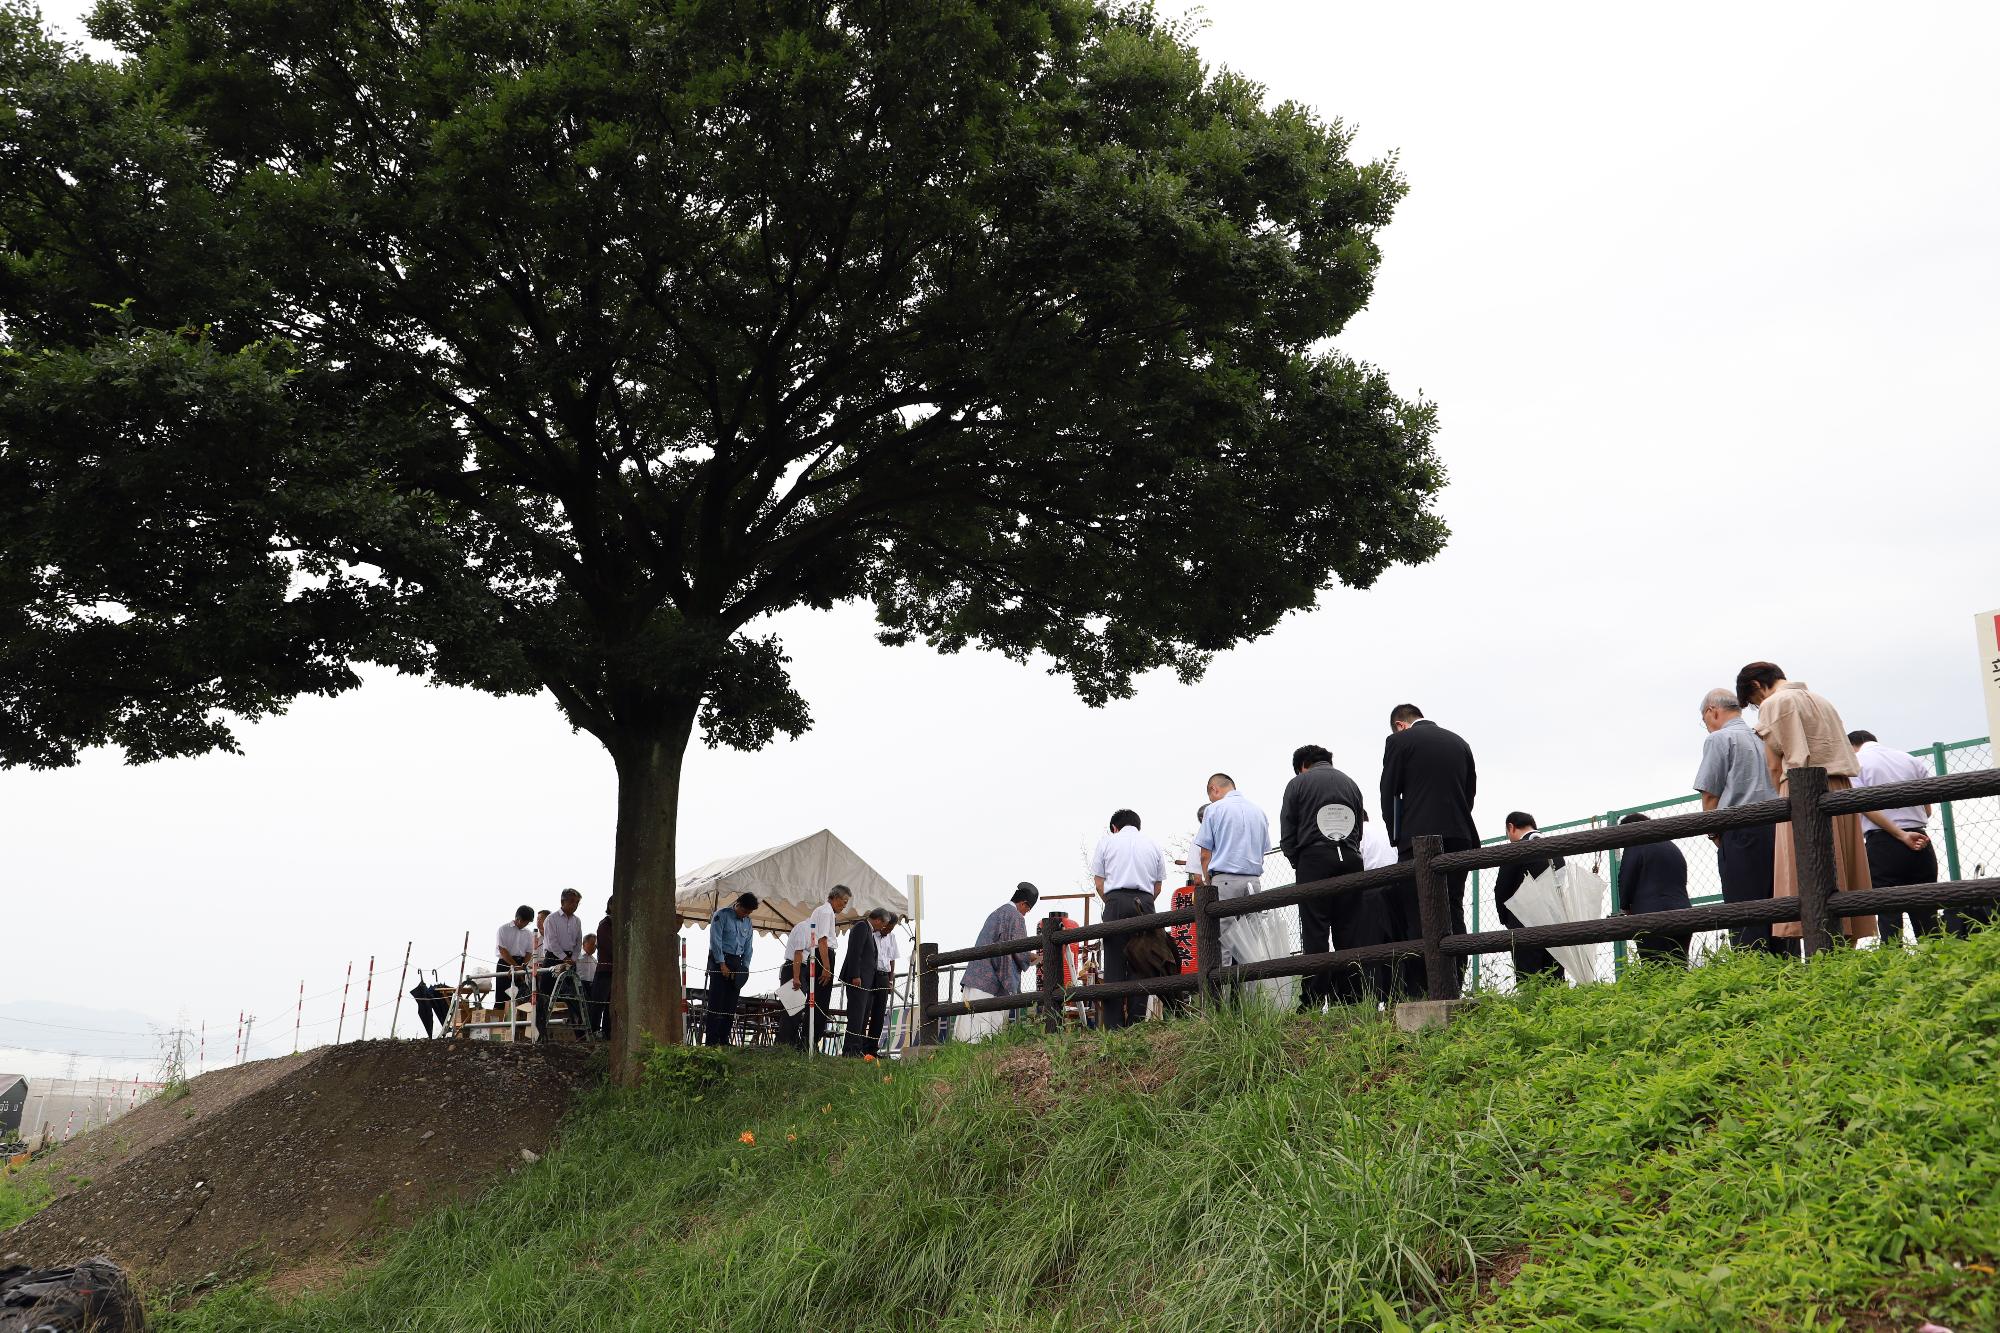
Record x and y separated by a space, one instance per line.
285 1165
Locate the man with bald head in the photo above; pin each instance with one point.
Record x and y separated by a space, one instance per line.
1233 839
1734 772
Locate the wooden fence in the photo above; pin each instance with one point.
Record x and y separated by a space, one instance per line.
1809 808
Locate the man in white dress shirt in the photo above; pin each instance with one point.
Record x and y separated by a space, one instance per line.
1899 846
820 929
1128 868
562 941
513 949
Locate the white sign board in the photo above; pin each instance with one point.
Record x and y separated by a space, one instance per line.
1988 625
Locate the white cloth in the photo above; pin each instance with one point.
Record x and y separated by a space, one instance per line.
1376 849
1258 937
562 935
888 951
586 967
1128 859
517 941
800 940
978 1027
1881 766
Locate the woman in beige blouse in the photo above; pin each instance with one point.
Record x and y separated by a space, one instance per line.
1802 730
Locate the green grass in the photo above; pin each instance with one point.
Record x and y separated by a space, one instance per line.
20 1198
1749 1145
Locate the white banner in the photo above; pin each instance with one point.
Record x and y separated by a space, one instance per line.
1987 625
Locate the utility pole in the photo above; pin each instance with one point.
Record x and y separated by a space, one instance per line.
249 1022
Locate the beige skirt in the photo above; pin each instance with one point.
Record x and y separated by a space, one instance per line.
1850 869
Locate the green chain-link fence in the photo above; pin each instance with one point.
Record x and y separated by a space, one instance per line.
1967 834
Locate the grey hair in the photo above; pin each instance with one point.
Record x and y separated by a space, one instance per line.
882 914
1722 699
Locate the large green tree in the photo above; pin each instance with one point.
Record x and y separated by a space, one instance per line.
559 344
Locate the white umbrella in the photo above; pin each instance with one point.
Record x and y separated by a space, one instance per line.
1571 892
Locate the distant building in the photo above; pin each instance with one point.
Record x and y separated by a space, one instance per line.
61 1108
13 1101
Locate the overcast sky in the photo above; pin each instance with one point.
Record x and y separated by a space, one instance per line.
1707 297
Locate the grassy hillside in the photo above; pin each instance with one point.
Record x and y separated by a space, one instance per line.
1749 1145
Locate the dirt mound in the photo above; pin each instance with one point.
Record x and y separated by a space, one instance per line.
292 1168
88 1156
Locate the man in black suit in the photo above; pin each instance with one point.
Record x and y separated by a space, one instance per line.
1428 784
1529 960
857 974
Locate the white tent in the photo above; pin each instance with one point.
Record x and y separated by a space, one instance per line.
790 880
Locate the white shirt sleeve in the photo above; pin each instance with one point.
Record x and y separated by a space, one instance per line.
1097 858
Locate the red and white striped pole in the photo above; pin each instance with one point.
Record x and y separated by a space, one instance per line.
397 1012
341 1026
367 997
69 1124
534 992
298 1015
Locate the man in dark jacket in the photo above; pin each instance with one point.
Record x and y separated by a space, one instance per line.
600 984
1319 831
857 974
1654 878
1428 785
1529 961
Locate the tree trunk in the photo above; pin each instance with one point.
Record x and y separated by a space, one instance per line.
646 999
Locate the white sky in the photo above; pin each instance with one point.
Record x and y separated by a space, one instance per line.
1707 297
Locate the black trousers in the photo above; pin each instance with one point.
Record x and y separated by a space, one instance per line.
545 985
1665 948
1121 905
1344 921
860 998
1406 922
792 1027
509 985
600 1002
1891 865
878 1012
722 994
1530 960
1743 858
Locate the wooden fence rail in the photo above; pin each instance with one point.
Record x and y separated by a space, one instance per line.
1808 807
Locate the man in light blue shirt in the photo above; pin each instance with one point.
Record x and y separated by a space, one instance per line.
1733 772
729 941
1233 839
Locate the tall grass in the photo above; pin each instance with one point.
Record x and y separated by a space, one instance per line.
1748 1145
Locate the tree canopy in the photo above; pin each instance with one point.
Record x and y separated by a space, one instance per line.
559 344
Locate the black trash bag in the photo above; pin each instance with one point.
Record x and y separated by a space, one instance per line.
92 1297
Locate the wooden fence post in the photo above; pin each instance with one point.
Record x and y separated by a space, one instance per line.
1434 918
1812 847
1207 941
927 994
1052 973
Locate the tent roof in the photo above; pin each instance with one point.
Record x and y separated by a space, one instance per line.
790 880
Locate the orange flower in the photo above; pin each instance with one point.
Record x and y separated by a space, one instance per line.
867 1059
791 1138
746 1137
